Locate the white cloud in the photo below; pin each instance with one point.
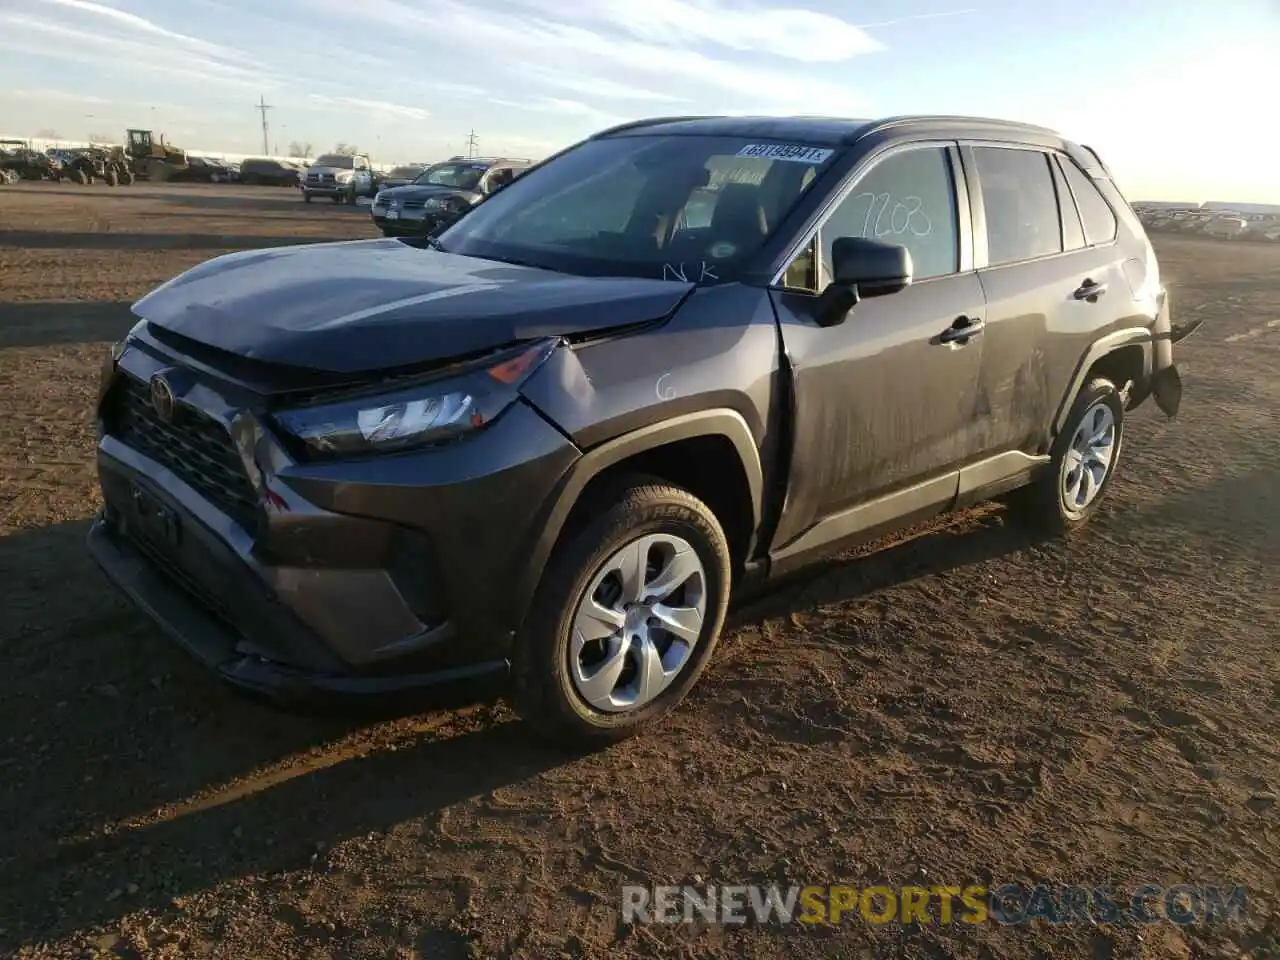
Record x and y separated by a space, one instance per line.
34 37
142 25
571 108
597 86
912 18
790 32
541 44
381 108
47 95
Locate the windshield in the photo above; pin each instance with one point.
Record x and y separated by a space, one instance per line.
464 176
338 160
404 173
674 207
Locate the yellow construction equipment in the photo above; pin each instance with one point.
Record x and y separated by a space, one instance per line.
151 158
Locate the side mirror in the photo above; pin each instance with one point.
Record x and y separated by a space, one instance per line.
862 268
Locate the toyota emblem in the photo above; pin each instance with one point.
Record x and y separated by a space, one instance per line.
162 397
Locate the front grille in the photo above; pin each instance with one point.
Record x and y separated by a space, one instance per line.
195 447
413 204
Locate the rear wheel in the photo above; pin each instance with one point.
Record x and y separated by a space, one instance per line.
626 617
306 196
111 178
1082 463
127 178
79 176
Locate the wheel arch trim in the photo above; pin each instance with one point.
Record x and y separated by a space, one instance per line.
722 422
1129 336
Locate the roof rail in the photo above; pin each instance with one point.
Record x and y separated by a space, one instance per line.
904 119
649 122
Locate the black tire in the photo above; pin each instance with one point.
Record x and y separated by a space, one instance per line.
1042 504
306 196
111 178
543 689
79 176
127 178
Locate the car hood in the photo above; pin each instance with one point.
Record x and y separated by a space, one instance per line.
416 191
367 305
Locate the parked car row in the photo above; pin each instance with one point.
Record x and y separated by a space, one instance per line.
1224 225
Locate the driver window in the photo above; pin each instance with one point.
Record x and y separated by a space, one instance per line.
906 198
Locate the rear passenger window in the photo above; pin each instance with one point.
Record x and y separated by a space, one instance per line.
1020 204
906 198
1099 219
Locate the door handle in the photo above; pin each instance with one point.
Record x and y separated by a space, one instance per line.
961 330
1090 291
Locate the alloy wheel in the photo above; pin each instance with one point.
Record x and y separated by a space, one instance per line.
637 623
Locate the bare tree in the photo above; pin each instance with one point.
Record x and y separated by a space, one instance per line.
346 149
297 149
48 133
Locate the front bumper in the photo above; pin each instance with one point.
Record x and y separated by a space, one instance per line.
218 646
412 222
327 189
381 579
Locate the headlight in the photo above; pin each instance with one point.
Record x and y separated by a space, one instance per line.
437 203
427 413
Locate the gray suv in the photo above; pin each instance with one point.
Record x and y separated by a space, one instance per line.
441 193
540 453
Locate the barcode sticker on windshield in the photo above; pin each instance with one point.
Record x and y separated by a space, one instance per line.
794 152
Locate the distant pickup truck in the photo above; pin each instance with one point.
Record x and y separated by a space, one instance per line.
340 177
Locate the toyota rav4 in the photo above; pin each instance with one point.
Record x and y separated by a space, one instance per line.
539 453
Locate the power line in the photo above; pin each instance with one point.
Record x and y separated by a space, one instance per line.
263 107
472 143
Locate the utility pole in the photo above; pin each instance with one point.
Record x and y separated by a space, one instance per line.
263 107
472 143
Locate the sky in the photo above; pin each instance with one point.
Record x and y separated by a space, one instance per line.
1178 96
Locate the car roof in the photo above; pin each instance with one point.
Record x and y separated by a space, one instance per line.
478 161
840 132
819 131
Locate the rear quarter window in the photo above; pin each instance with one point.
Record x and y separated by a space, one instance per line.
1095 213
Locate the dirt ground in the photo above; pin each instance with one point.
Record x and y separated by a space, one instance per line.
964 706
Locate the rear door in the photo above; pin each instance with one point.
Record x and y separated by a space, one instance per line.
1050 287
882 405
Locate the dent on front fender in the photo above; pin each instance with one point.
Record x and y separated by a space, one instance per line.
719 350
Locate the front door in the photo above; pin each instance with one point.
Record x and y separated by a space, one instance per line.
883 402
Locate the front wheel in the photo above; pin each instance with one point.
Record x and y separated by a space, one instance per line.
1082 463
306 196
626 617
